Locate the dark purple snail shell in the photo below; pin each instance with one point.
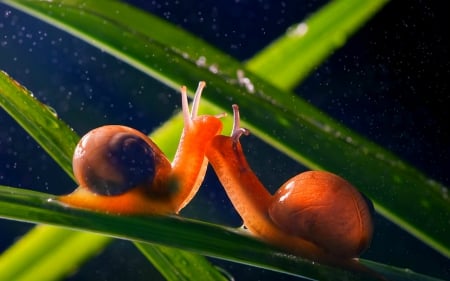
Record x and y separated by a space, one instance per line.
111 160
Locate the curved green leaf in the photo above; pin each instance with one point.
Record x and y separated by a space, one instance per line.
39 121
203 238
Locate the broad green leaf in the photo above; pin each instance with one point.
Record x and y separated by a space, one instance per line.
287 123
59 140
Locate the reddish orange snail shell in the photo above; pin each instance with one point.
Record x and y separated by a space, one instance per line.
122 171
316 214
111 160
327 210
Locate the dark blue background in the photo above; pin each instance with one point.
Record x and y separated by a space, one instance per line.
390 82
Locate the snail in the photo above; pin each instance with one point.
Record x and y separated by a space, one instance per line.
316 214
120 170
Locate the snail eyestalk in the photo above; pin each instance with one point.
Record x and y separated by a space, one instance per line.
237 131
185 106
197 96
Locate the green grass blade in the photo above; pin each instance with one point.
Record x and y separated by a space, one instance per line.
39 121
394 273
101 18
25 261
165 258
50 247
310 42
200 237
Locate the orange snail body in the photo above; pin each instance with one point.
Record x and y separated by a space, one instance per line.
121 171
316 215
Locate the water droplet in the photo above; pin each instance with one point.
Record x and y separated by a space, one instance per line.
298 30
214 68
245 81
349 139
225 273
444 191
51 110
201 61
